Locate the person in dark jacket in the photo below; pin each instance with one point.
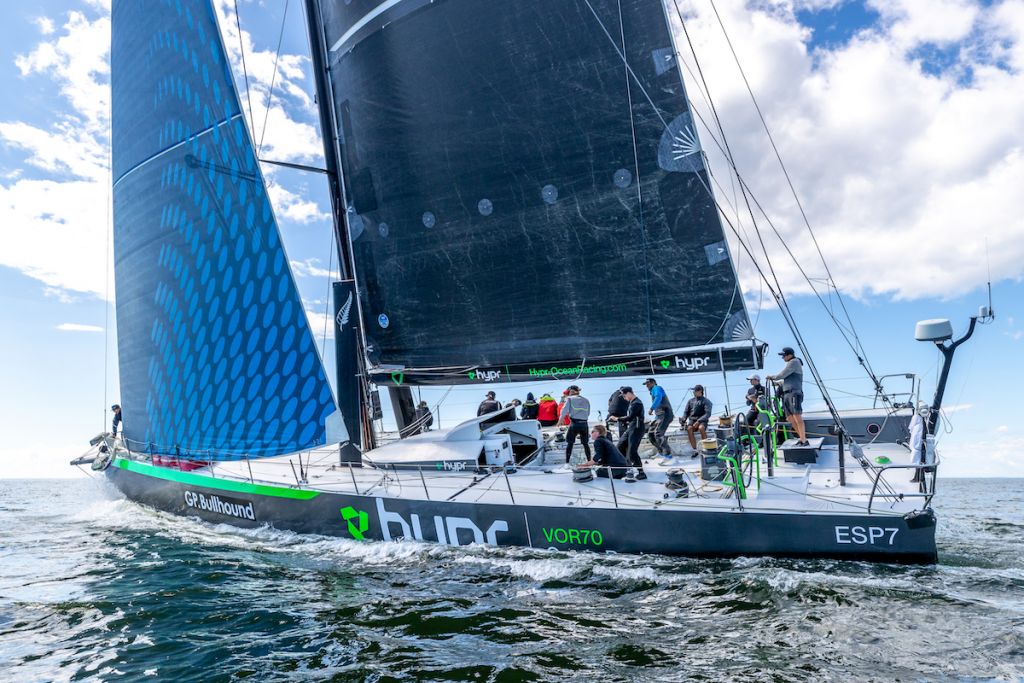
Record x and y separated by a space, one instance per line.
695 416
606 456
529 409
629 442
617 407
488 405
661 408
422 418
116 422
755 399
547 411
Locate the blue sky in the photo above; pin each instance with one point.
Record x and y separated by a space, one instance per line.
900 127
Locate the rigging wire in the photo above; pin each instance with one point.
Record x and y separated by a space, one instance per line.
108 228
856 344
748 197
245 71
327 301
273 78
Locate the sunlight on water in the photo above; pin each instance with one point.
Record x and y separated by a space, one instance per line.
95 587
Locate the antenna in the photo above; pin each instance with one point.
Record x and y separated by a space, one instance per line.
987 313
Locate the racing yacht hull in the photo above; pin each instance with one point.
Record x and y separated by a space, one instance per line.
727 532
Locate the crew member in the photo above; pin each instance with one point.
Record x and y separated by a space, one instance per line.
547 411
514 403
629 442
606 455
116 422
529 409
755 398
488 405
695 417
422 418
563 420
576 409
661 408
617 407
791 381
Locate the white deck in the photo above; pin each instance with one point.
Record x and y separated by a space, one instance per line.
793 488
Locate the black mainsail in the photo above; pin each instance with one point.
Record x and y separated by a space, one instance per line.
525 190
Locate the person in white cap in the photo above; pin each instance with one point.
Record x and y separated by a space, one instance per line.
755 394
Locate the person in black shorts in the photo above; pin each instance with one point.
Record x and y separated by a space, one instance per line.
791 381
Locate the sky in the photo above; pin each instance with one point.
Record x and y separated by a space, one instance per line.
898 121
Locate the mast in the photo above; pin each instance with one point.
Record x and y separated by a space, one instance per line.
363 438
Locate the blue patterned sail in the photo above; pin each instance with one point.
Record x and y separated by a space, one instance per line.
216 356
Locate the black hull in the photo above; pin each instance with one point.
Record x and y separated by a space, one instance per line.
877 538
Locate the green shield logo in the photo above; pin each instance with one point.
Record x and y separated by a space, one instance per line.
359 526
665 364
398 378
472 375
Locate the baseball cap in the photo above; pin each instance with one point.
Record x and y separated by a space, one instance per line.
650 380
757 377
573 387
490 394
787 351
698 387
626 390
115 406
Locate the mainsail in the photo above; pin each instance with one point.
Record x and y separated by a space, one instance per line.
525 188
216 356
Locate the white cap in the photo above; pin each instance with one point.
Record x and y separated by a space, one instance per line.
757 377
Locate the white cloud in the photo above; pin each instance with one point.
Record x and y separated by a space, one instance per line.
310 268
46 25
957 408
903 173
1002 429
56 225
291 206
76 327
285 138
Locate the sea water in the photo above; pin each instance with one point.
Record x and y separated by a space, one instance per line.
96 588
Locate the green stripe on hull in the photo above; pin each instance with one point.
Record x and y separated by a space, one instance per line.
212 482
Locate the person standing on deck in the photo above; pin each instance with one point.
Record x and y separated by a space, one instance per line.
488 405
576 409
662 408
629 442
529 409
755 396
116 422
617 408
547 411
791 379
695 417
563 421
422 418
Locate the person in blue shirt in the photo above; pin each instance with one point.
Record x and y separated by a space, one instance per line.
661 408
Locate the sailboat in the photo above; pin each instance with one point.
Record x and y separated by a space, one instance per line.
519 193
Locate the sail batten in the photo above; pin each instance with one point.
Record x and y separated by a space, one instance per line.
524 183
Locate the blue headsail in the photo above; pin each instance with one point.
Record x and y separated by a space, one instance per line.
216 355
